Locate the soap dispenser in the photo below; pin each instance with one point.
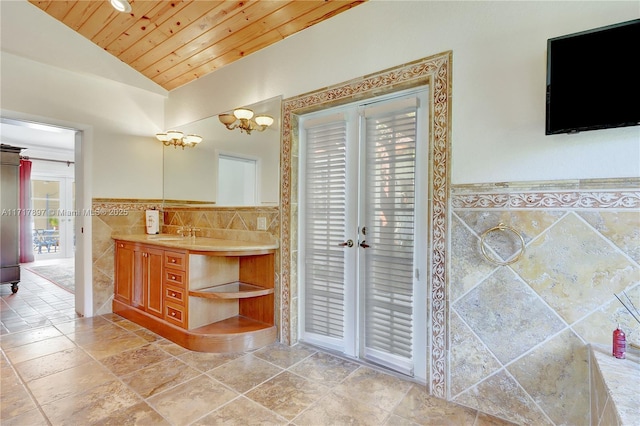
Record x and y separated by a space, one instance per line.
619 343
152 221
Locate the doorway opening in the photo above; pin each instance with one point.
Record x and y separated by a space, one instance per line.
49 243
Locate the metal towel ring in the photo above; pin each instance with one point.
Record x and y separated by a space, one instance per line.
501 227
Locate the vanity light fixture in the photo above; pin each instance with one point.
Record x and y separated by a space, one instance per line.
243 119
178 139
121 5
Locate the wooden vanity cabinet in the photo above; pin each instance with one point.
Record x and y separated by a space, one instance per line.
208 301
138 277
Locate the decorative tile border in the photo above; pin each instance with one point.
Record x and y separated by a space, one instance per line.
116 204
577 199
434 71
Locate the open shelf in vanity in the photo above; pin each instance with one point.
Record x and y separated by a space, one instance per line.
235 290
207 295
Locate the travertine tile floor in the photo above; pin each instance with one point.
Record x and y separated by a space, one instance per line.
58 369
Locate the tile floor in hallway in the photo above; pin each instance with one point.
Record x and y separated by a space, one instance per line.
57 369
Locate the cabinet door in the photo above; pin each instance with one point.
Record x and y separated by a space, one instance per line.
153 282
146 290
124 272
139 274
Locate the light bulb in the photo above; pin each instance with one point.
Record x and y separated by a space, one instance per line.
162 137
264 120
175 134
243 113
121 5
193 139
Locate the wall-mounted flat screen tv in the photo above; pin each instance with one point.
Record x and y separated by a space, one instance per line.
593 79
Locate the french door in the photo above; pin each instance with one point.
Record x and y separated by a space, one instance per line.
53 201
363 231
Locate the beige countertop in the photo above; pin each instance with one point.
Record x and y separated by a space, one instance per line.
622 378
198 243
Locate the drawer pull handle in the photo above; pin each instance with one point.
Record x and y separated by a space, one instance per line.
173 295
173 277
173 261
173 314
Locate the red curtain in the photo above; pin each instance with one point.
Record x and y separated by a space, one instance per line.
26 237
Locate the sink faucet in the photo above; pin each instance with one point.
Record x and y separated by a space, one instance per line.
188 231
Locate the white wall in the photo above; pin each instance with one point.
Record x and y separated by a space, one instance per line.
53 75
30 32
499 66
499 54
126 159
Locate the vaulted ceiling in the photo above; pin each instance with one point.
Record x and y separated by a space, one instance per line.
175 42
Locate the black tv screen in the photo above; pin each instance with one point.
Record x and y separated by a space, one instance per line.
593 79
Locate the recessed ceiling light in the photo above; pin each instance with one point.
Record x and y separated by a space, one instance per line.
121 5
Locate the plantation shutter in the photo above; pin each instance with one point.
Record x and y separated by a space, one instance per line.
390 141
325 219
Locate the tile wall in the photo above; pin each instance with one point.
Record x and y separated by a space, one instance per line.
518 332
119 216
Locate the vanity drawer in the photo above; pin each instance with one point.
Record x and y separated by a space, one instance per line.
175 260
174 277
175 314
174 294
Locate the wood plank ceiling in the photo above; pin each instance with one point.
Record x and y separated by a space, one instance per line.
177 41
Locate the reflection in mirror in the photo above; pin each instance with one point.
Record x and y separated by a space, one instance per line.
192 175
237 180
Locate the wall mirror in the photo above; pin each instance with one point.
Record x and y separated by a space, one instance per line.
192 175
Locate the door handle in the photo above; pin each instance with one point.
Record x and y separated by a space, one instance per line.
364 244
348 243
